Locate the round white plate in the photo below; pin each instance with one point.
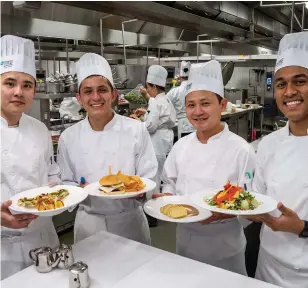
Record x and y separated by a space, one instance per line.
93 189
152 208
76 196
267 205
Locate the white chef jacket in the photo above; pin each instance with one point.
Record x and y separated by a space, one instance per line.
195 167
282 173
125 144
177 97
26 162
159 121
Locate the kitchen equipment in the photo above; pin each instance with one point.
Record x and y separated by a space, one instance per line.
65 253
44 259
227 72
79 276
54 87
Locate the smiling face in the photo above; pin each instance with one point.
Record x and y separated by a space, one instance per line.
203 110
17 92
291 91
96 96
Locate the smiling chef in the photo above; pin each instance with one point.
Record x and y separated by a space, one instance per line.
105 138
26 157
205 160
282 172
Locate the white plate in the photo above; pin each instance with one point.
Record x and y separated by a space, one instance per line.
152 207
93 189
267 205
76 196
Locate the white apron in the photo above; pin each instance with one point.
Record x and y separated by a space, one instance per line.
221 244
90 159
283 257
22 169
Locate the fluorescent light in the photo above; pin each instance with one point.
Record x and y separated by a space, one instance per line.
306 5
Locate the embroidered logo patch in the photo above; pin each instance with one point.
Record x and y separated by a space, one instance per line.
279 63
6 64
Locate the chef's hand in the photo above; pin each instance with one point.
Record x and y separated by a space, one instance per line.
138 197
140 112
216 217
287 222
158 195
14 221
52 184
145 94
83 185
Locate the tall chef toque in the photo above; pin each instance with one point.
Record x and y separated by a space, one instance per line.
293 51
91 64
206 77
17 55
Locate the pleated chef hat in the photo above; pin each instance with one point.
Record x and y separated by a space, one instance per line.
185 67
157 75
17 55
206 76
293 51
91 64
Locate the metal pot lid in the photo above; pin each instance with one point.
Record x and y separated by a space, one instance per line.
64 247
78 267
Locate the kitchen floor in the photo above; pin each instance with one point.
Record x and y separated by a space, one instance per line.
163 236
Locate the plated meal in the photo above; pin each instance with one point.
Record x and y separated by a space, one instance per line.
233 197
45 201
177 211
120 184
234 200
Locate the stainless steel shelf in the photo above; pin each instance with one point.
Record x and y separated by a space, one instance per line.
53 95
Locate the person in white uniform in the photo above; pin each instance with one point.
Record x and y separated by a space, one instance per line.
282 172
70 107
177 97
160 117
204 161
104 138
26 157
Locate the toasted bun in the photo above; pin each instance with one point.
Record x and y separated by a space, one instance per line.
110 180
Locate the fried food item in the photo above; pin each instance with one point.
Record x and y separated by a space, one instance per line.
177 211
46 201
131 183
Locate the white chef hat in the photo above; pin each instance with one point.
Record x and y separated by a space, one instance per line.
206 76
185 67
157 75
293 51
91 64
17 55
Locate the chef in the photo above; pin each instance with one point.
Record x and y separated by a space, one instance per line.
177 97
160 117
26 157
282 172
70 107
204 161
104 138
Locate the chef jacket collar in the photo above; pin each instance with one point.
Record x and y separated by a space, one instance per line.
285 131
108 126
6 124
217 136
159 95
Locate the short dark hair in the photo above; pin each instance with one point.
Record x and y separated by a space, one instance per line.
109 84
219 98
159 87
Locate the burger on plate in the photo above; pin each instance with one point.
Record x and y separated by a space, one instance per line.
112 184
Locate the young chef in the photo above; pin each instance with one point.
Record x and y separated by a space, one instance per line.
26 156
102 139
177 97
282 172
160 117
205 161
